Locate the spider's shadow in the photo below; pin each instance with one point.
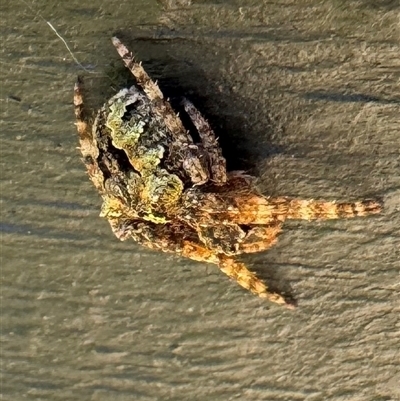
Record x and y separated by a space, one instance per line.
230 115
277 280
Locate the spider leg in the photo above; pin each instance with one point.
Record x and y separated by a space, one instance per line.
151 88
257 209
209 141
236 271
173 239
248 280
183 142
88 148
232 239
81 123
320 210
169 237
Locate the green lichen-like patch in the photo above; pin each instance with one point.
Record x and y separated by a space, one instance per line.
160 191
153 191
145 159
136 135
163 188
124 134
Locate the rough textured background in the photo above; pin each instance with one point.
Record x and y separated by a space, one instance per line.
307 94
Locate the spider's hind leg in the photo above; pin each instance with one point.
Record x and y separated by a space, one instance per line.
209 142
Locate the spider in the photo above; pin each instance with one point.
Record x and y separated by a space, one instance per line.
168 193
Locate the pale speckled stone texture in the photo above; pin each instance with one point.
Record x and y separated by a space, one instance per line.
304 92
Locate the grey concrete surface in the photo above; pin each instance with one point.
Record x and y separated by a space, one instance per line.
306 94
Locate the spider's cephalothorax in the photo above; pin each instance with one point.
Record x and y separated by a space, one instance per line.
169 193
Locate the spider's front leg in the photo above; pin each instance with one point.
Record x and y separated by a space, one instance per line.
88 146
183 147
210 143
